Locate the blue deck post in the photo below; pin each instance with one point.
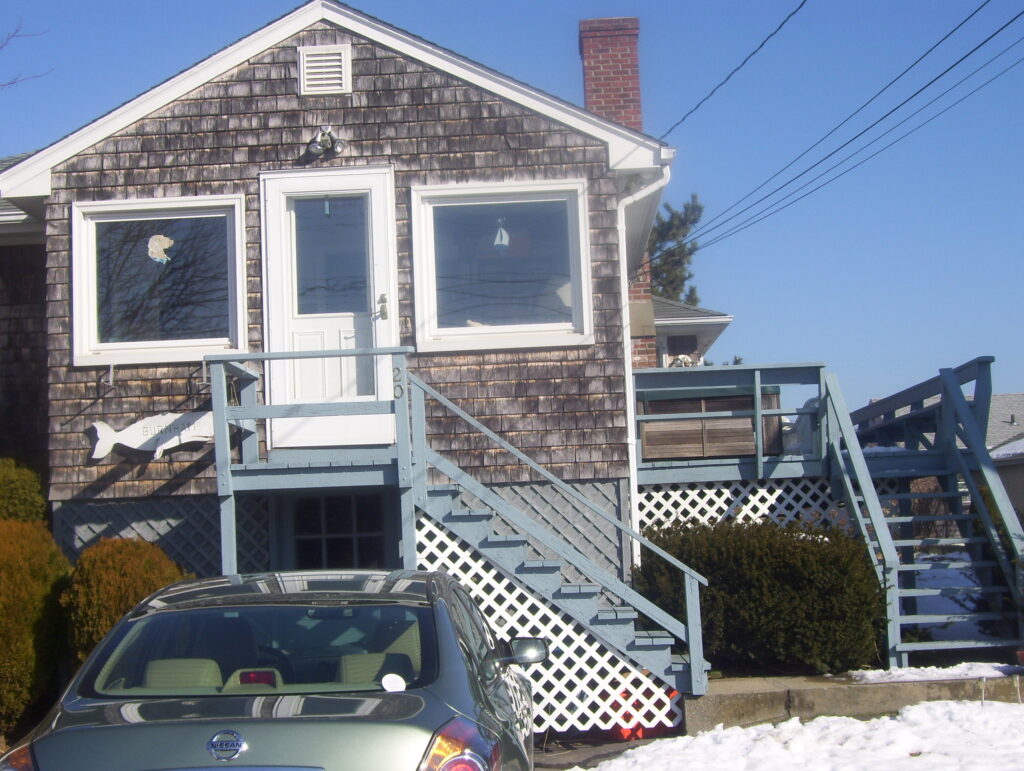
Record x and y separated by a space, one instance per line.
222 455
404 460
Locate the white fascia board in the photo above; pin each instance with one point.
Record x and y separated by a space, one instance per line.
693 321
626 149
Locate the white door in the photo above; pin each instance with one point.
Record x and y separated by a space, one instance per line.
329 247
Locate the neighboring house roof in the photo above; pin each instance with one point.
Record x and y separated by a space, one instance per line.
1005 435
703 324
670 310
11 160
627 149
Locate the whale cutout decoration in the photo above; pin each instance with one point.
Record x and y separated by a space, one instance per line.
156 434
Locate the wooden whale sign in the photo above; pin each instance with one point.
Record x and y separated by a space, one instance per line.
156 434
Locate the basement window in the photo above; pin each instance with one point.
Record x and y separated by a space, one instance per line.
157 280
325 69
501 266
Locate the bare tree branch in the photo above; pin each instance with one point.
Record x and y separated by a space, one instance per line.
5 40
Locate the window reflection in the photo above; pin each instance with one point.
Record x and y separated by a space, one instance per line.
502 264
163 279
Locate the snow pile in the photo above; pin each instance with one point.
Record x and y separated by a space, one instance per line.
935 735
966 671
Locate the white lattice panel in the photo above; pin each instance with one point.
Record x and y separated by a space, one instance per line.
583 685
783 501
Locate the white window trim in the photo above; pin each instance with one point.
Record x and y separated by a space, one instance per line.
429 338
87 350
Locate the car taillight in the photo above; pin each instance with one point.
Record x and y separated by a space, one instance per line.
459 746
18 760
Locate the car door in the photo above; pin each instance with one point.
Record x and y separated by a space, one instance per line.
504 687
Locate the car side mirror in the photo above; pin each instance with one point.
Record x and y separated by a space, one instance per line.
528 650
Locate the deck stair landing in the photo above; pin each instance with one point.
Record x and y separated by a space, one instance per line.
944 536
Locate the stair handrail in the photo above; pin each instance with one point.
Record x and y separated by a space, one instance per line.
841 431
974 441
558 483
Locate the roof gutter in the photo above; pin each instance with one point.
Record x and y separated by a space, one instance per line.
635 216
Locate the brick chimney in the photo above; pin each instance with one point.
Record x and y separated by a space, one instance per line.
611 88
611 69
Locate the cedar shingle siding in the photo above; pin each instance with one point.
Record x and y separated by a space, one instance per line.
23 355
564 407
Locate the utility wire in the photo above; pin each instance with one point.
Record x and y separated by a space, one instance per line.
772 206
736 69
877 152
861 133
843 122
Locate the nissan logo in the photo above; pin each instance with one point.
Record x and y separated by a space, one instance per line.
226 745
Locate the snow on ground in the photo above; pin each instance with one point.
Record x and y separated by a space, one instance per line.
964 671
937 736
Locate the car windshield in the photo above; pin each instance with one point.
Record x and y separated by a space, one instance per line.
268 649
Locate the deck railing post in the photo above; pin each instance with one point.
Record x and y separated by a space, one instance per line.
222 455
758 426
404 459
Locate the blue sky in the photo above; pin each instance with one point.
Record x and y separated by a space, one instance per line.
907 264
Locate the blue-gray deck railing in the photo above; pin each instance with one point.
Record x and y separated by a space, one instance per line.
694 382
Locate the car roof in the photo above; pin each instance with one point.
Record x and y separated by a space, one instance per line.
335 586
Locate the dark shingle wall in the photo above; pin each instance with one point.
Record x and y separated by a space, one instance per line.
565 407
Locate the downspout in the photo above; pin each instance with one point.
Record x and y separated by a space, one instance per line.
627 344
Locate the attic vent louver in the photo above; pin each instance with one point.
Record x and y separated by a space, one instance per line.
325 69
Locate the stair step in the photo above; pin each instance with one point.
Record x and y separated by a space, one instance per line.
503 541
953 591
943 564
618 613
940 541
655 639
930 518
941 618
934 645
918 496
540 566
580 590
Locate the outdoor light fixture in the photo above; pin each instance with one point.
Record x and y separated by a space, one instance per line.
324 142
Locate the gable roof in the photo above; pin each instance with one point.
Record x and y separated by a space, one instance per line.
1005 419
627 149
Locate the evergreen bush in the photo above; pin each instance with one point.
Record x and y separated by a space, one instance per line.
781 599
109 579
21 494
32 574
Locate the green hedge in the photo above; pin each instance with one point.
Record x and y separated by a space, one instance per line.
780 600
32 573
21 494
109 579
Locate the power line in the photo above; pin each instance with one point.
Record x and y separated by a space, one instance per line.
861 133
757 216
736 69
845 120
865 160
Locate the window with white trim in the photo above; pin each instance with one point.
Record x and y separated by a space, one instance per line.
502 265
157 280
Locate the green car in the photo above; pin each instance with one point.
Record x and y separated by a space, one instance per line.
310 671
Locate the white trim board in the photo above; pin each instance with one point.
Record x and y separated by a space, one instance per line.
627 149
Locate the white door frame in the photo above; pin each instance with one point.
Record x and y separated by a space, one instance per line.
276 188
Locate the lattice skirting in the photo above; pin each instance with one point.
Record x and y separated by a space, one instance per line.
783 501
187 528
583 685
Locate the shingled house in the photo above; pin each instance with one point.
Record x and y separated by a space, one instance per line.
328 221
338 297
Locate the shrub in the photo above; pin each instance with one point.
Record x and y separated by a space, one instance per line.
21 494
109 579
32 574
781 599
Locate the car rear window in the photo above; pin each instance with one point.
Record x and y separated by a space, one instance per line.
268 649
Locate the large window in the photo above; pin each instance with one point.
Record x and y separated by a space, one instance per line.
157 280
501 266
